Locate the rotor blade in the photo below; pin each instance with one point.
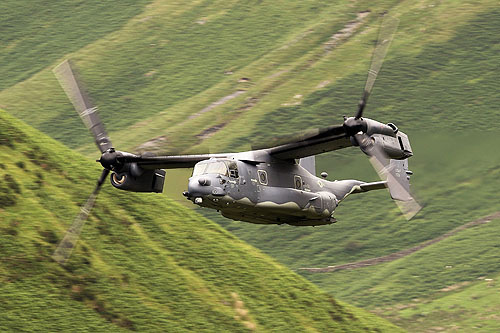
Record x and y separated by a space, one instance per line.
68 80
65 247
403 198
400 191
386 34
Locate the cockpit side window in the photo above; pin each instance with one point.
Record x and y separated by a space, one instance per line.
199 169
233 169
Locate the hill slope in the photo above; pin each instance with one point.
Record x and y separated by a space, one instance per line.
452 284
166 55
143 262
305 62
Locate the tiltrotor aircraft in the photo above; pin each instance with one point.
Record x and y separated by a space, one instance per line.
272 185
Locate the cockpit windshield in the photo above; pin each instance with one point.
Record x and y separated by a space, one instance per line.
214 167
224 168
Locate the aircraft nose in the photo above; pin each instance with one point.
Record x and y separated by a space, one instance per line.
203 186
198 187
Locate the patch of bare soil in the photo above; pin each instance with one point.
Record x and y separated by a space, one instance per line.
455 286
348 30
156 143
152 144
210 131
217 103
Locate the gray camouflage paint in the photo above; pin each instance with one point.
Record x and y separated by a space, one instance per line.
290 194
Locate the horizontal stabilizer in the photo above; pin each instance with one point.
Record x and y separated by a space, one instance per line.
365 187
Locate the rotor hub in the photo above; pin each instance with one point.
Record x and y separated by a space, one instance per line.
354 125
109 159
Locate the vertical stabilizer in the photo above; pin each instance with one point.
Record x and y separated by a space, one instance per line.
309 163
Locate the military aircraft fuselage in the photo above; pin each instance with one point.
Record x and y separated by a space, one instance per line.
255 187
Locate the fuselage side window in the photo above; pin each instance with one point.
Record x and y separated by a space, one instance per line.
298 182
262 177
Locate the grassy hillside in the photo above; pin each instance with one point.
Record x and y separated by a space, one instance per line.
169 53
159 74
452 284
34 34
143 262
168 73
474 308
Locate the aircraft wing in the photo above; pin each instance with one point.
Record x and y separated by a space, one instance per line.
313 143
327 139
167 162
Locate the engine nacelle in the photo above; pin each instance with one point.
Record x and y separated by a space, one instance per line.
375 127
394 142
132 177
396 147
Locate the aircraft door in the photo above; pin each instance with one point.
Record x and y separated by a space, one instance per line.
251 186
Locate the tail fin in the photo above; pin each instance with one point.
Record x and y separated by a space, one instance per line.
309 163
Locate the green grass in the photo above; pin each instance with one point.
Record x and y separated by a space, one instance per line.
163 57
143 262
474 308
461 258
36 33
451 283
442 85
169 61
